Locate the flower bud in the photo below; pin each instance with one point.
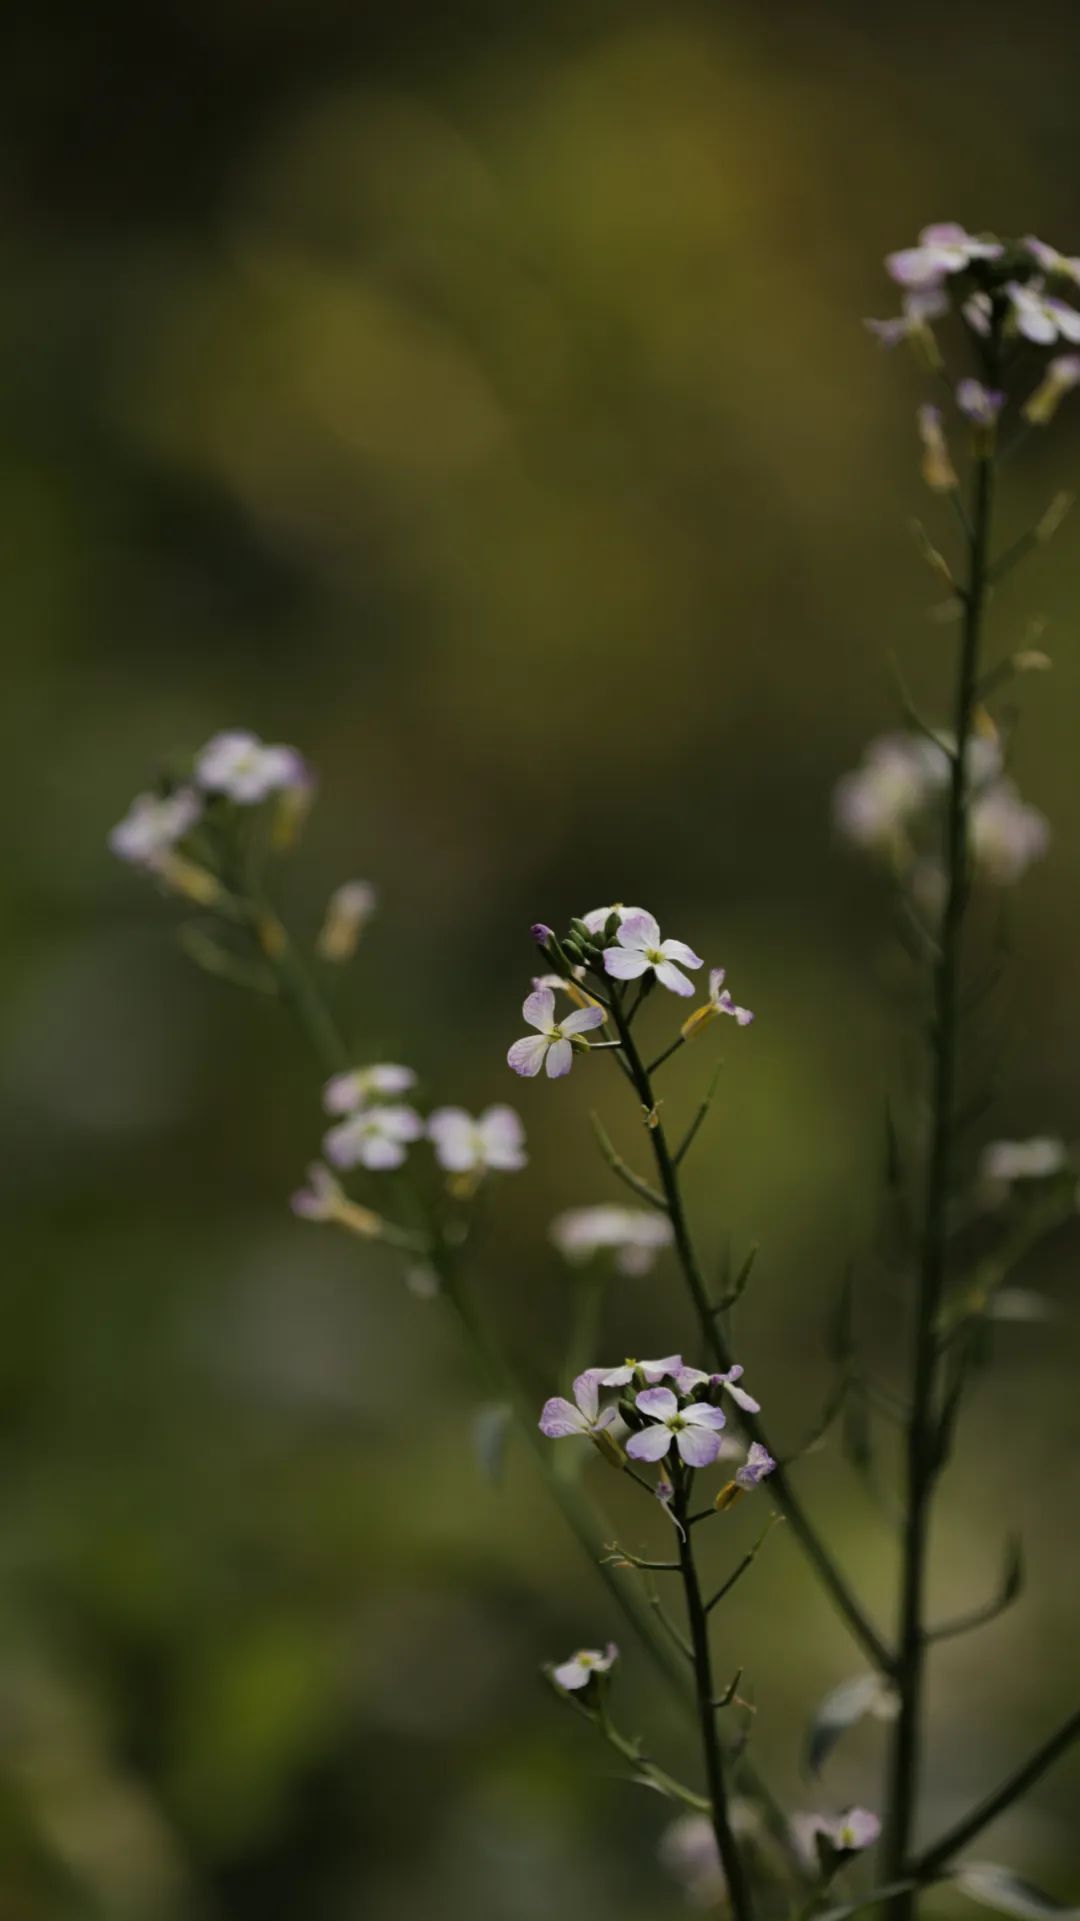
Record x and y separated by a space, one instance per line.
937 468
1060 378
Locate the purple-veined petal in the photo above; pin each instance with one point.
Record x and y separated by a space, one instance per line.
699 1446
677 950
744 1399
624 963
669 976
572 1674
560 1059
655 1370
539 1009
688 1378
704 1414
618 1376
717 977
650 1445
581 1020
558 1419
527 1056
587 1393
639 930
658 1403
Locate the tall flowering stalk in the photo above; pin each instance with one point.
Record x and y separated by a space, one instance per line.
940 808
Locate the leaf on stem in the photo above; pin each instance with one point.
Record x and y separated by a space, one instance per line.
842 1707
618 1166
998 1888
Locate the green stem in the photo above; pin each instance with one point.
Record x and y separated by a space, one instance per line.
713 1338
922 1450
1011 1789
738 1886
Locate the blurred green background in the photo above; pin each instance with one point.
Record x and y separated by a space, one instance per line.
476 397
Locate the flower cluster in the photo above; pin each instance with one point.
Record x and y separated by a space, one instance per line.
891 806
688 1846
666 1405
234 766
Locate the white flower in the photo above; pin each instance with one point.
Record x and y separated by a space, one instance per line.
652 1372
346 1093
1042 318
1006 834
552 1043
640 950
597 918
240 765
376 1137
1003 1162
348 911
495 1140
578 1671
943 249
153 825
633 1236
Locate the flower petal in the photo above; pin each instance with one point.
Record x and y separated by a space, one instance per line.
558 1419
580 1021
560 1059
650 1445
703 1414
698 1446
670 977
538 1009
379 1152
744 1399
527 1056
677 950
623 963
587 1393
658 1402
638 930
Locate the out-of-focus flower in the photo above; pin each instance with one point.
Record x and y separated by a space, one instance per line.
597 918
640 951
1050 260
324 1199
873 805
918 309
719 1002
154 825
348 912
560 1418
848 1833
493 1140
1004 1162
1042 318
758 1464
1061 376
552 1045
345 1093
688 1850
650 1371
568 985
981 405
376 1138
631 1235
241 766
579 1670
943 250
1006 833
937 468
689 1379
694 1429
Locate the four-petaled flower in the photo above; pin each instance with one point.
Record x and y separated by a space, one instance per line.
376 1138
1042 318
551 1046
559 1418
240 765
153 826
758 1463
689 1378
463 1145
719 1002
345 1093
578 1671
640 950
650 1371
943 249
694 1429
979 404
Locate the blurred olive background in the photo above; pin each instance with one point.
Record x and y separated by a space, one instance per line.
477 398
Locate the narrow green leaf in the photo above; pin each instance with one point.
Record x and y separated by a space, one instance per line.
998 1888
491 1428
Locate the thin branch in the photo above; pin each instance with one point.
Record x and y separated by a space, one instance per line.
747 1562
699 1117
618 1166
1014 1786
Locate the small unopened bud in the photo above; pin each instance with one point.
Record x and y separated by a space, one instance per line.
291 810
609 1447
186 877
934 560
348 911
1031 661
541 933
1060 378
699 1019
937 468
728 1496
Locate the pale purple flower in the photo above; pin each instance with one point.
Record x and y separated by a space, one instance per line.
689 1378
1006 833
1050 260
376 1138
944 249
758 1463
650 1371
348 912
559 1418
153 826
1042 318
917 309
694 1429
492 1140
542 933
552 1044
346 1093
979 404
597 918
1061 376
640 950
847 1833
241 766
719 1002
631 1235
578 1671
873 805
